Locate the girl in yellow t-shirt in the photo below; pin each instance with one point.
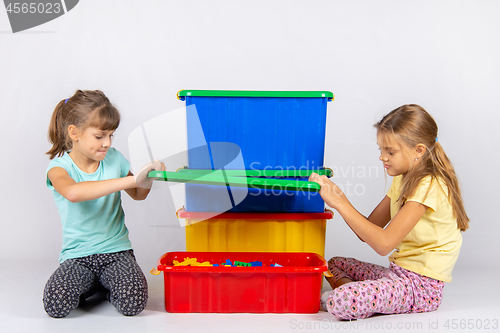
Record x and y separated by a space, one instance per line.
421 217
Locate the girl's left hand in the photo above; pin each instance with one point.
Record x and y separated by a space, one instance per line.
330 192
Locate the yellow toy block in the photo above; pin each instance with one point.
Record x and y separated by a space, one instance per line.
191 262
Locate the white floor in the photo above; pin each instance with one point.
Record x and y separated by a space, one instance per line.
471 303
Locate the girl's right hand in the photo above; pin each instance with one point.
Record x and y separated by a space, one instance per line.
142 180
330 192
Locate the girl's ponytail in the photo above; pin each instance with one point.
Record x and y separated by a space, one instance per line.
57 132
444 169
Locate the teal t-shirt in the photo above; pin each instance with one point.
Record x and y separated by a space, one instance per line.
94 226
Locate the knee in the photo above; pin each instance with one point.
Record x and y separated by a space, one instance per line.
59 303
131 306
337 306
130 301
338 262
345 306
57 312
334 260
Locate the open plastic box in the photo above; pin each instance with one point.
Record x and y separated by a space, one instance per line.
293 288
256 232
248 190
277 197
255 130
273 129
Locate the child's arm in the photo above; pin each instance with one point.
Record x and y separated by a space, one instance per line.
137 193
381 215
135 186
383 241
143 184
84 191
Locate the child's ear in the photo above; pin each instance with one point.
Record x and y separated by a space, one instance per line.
420 150
73 132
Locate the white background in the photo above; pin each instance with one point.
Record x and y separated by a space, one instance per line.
373 55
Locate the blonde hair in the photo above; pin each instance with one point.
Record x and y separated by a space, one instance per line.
86 108
410 125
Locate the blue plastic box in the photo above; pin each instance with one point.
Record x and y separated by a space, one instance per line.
254 130
273 129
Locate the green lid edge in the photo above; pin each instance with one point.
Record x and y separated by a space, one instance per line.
262 173
255 93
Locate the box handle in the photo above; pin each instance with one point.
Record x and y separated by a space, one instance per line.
331 211
177 212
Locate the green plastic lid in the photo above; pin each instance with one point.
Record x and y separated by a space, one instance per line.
218 178
252 93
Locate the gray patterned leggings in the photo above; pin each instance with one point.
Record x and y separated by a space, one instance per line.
118 272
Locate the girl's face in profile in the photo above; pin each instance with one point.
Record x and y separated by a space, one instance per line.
395 158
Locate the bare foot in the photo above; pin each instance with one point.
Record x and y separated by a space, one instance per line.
330 281
341 282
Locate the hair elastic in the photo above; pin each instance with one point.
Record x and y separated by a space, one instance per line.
436 139
66 101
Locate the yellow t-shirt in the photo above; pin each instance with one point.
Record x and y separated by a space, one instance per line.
432 246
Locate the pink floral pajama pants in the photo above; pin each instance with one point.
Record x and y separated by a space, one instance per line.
377 289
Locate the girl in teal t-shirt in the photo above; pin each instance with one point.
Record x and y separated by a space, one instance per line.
86 176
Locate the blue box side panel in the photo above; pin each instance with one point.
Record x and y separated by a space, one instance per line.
198 151
208 198
273 133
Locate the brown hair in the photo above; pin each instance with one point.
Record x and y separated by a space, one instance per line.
86 108
411 125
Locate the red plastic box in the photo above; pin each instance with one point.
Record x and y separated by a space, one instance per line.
293 288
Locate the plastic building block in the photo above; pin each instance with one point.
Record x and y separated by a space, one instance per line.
242 264
191 262
256 263
205 263
187 262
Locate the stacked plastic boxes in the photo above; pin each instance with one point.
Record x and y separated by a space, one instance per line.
275 134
